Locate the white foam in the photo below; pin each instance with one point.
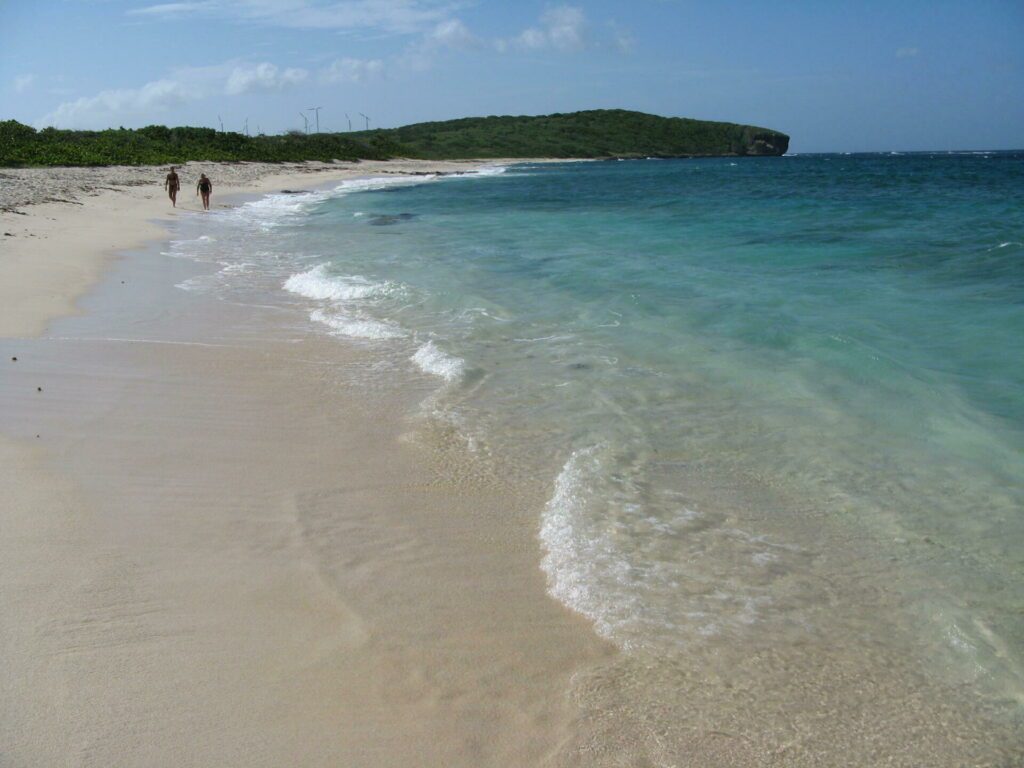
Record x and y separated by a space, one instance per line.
572 560
609 559
191 284
317 284
379 182
433 360
487 170
272 210
357 328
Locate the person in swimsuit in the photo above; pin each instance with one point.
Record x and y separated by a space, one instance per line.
204 188
172 184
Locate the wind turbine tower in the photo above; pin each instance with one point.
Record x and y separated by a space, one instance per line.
316 110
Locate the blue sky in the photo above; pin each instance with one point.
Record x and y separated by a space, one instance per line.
843 76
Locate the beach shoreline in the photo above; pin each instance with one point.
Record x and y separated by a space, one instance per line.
233 538
60 228
216 552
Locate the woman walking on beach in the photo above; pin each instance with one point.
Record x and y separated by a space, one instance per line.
204 188
172 184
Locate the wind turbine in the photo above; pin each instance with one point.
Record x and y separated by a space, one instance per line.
367 119
305 120
317 111
349 121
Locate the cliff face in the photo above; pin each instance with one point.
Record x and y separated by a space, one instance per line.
760 141
767 143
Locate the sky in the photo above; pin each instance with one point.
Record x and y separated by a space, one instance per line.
836 76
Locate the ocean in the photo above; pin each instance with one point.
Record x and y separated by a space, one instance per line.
776 405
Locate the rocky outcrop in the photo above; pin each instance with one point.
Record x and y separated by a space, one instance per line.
766 143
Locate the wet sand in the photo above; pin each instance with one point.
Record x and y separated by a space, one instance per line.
216 554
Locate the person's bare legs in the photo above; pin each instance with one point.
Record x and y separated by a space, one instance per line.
173 192
206 201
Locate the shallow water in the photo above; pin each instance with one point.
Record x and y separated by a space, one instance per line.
778 403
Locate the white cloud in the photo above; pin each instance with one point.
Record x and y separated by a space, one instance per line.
561 28
352 70
622 39
149 102
452 34
23 82
397 16
168 9
264 76
906 53
108 107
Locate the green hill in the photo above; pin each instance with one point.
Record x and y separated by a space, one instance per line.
596 133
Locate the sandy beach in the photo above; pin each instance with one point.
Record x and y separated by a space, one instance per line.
213 553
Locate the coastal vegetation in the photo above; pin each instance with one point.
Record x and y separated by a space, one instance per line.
22 145
591 134
594 133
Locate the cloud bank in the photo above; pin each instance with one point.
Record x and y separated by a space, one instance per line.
431 25
392 16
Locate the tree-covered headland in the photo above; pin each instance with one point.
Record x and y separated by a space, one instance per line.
590 134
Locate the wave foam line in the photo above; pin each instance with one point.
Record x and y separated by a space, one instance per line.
571 559
357 328
433 360
317 284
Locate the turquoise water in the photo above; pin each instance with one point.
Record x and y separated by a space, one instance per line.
767 396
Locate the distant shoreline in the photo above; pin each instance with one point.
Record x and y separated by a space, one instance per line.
61 227
590 134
